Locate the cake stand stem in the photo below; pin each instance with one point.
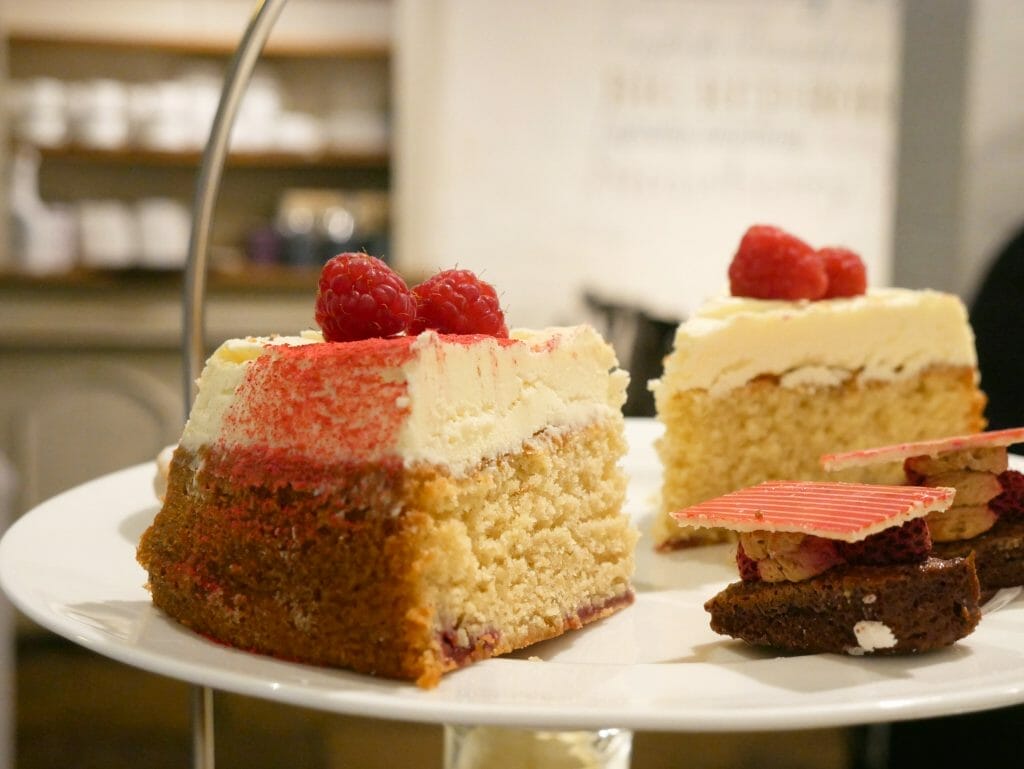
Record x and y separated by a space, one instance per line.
236 80
611 747
484 747
203 756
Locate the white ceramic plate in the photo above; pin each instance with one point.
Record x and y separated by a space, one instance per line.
69 564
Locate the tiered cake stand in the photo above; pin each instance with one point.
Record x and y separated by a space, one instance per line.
70 565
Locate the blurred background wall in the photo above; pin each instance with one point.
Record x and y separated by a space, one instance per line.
992 125
623 148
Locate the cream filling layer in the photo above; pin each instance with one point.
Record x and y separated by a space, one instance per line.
473 402
460 402
886 334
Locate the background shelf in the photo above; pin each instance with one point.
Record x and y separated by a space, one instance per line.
337 159
212 47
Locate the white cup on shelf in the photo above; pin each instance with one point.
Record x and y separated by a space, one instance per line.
108 234
203 99
358 130
98 112
40 111
164 118
298 132
164 226
255 128
45 239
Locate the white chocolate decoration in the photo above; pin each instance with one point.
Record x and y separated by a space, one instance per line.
848 512
929 448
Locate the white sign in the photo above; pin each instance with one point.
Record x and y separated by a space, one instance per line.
625 147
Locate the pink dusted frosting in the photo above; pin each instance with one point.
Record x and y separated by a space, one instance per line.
290 396
449 400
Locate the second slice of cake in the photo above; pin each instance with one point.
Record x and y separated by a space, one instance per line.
758 389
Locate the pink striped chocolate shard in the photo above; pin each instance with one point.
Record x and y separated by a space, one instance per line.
900 451
844 511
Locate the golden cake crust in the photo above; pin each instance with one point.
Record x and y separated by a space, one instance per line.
764 431
220 568
382 574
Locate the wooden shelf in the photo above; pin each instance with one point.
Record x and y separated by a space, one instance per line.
211 47
189 159
256 278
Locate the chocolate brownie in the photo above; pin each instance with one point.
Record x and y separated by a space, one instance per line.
855 609
998 553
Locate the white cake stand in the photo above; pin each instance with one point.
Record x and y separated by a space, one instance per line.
236 80
70 565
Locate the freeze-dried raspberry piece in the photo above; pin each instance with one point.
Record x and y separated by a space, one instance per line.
909 543
772 264
1011 502
747 566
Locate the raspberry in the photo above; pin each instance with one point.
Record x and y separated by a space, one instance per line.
772 264
914 477
360 297
458 302
1011 502
747 566
847 275
909 543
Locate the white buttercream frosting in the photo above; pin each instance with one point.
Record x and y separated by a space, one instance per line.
450 402
481 400
883 335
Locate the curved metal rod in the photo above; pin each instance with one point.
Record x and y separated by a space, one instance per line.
203 754
236 80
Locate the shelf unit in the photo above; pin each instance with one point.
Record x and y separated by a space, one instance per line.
108 342
352 73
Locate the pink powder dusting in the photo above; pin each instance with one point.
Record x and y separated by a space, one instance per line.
332 400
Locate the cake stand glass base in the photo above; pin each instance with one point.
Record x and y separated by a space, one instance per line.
203 756
477 747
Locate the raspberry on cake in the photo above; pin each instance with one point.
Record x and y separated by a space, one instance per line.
397 506
772 264
987 514
839 567
846 272
458 302
758 387
359 297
